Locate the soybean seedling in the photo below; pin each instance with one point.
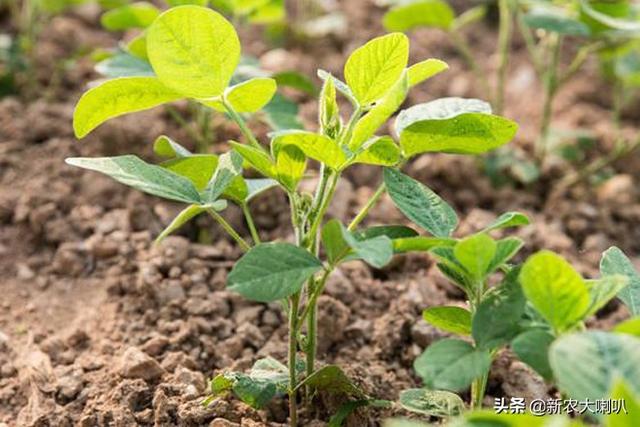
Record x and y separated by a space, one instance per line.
199 64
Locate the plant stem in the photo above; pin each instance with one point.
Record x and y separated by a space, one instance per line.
365 210
322 209
242 124
463 48
478 388
530 43
293 347
252 226
229 229
504 42
551 86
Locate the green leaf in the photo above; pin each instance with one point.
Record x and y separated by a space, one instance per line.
272 271
372 69
420 204
116 97
198 168
333 380
475 253
630 417
555 289
251 95
193 50
123 64
586 365
381 151
629 326
174 3
495 321
555 20
469 16
290 166
229 167
132 171
507 220
532 347
296 80
604 16
433 403
134 15
340 243
186 215
424 70
137 47
257 158
328 110
281 113
452 125
604 290
258 186
313 145
420 244
451 364
164 146
391 231
614 261
421 13
456 320
367 126
505 250
339 85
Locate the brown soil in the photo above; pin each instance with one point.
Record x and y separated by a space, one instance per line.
100 328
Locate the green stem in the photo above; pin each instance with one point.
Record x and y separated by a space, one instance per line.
504 42
365 210
313 299
229 229
463 48
478 389
530 43
241 124
322 210
293 348
551 86
252 227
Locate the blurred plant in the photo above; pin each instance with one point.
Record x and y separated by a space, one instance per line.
199 64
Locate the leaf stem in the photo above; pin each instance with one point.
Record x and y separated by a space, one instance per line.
242 124
229 229
252 226
365 210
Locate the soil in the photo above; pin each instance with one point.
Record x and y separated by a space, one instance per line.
98 327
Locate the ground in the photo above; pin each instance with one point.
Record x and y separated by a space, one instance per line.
100 327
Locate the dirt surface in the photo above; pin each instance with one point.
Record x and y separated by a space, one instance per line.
100 328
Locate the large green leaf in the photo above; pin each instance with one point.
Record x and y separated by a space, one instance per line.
193 50
452 125
272 271
421 13
532 347
586 365
456 320
614 261
433 403
420 204
117 97
372 69
555 289
451 364
134 15
475 253
313 145
132 171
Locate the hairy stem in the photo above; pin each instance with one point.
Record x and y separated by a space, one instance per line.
250 223
242 125
550 89
229 229
366 208
504 42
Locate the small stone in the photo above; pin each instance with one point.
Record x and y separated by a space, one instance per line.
155 345
104 248
618 190
68 387
136 364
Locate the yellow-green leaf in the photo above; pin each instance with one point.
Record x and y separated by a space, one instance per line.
290 164
313 145
381 151
424 70
117 97
193 50
186 215
374 68
422 13
258 159
135 15
251 95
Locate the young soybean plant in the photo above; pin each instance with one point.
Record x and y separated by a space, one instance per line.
194 52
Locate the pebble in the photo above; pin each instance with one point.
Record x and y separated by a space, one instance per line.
136 364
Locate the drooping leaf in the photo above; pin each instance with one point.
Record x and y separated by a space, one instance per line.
272 271
451 364
186 215
116 97
452 125
456 320
495 321
290 166
134 15
164 146
433 403
603 290
197 62
420 204
313 145
475 253
382 151
251 95
152 179
421 13
532 347
555 289
614 261
587 364
372 69
424 70
333 380
508 219
229 167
